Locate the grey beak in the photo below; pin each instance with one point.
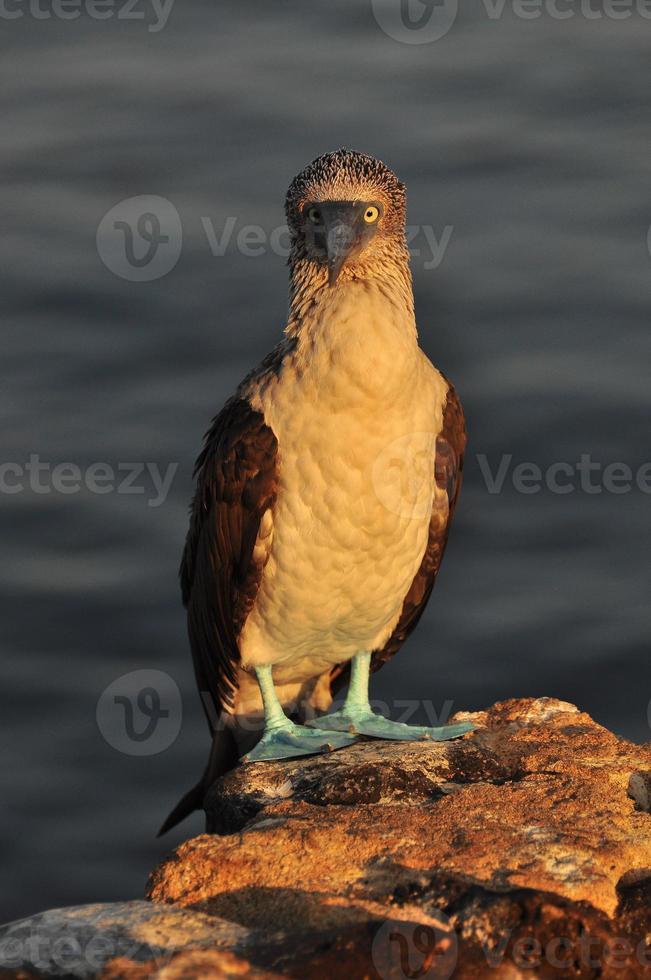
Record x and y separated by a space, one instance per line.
343 238
340 243
340 234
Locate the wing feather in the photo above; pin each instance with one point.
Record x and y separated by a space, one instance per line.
237 482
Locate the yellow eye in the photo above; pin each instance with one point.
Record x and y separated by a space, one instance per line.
314 215
371 214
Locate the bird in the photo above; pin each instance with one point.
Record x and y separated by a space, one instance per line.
324 492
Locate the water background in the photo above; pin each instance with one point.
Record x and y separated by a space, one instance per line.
530 139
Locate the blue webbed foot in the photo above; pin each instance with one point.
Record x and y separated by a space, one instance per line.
363 721
291 741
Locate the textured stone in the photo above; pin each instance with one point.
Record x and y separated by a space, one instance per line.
522 850
80 941
523 830
639 789
199 963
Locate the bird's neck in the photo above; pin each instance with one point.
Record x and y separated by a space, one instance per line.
387 284
360 332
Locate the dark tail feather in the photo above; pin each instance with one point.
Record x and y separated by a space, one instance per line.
188 804
223 756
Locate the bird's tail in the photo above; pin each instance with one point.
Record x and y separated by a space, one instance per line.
223 757
187 804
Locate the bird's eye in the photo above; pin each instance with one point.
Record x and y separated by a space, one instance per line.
314 215
371 214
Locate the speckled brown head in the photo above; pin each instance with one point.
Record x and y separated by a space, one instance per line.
346 214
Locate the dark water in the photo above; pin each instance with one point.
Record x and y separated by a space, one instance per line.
530 139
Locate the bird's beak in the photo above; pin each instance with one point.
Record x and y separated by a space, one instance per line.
344 237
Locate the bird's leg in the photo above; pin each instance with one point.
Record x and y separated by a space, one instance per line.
282 738
357 716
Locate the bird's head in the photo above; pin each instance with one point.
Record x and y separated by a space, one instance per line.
346 215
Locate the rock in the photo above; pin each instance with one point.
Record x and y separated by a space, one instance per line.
639 789
188 966
521 850
81 941
512 849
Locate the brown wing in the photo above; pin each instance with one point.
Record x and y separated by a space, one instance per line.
448 466
237 482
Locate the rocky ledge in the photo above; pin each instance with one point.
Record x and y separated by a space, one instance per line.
520 850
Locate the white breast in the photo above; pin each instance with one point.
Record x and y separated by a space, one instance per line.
356 410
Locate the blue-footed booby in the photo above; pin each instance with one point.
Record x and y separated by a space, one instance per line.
324 491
